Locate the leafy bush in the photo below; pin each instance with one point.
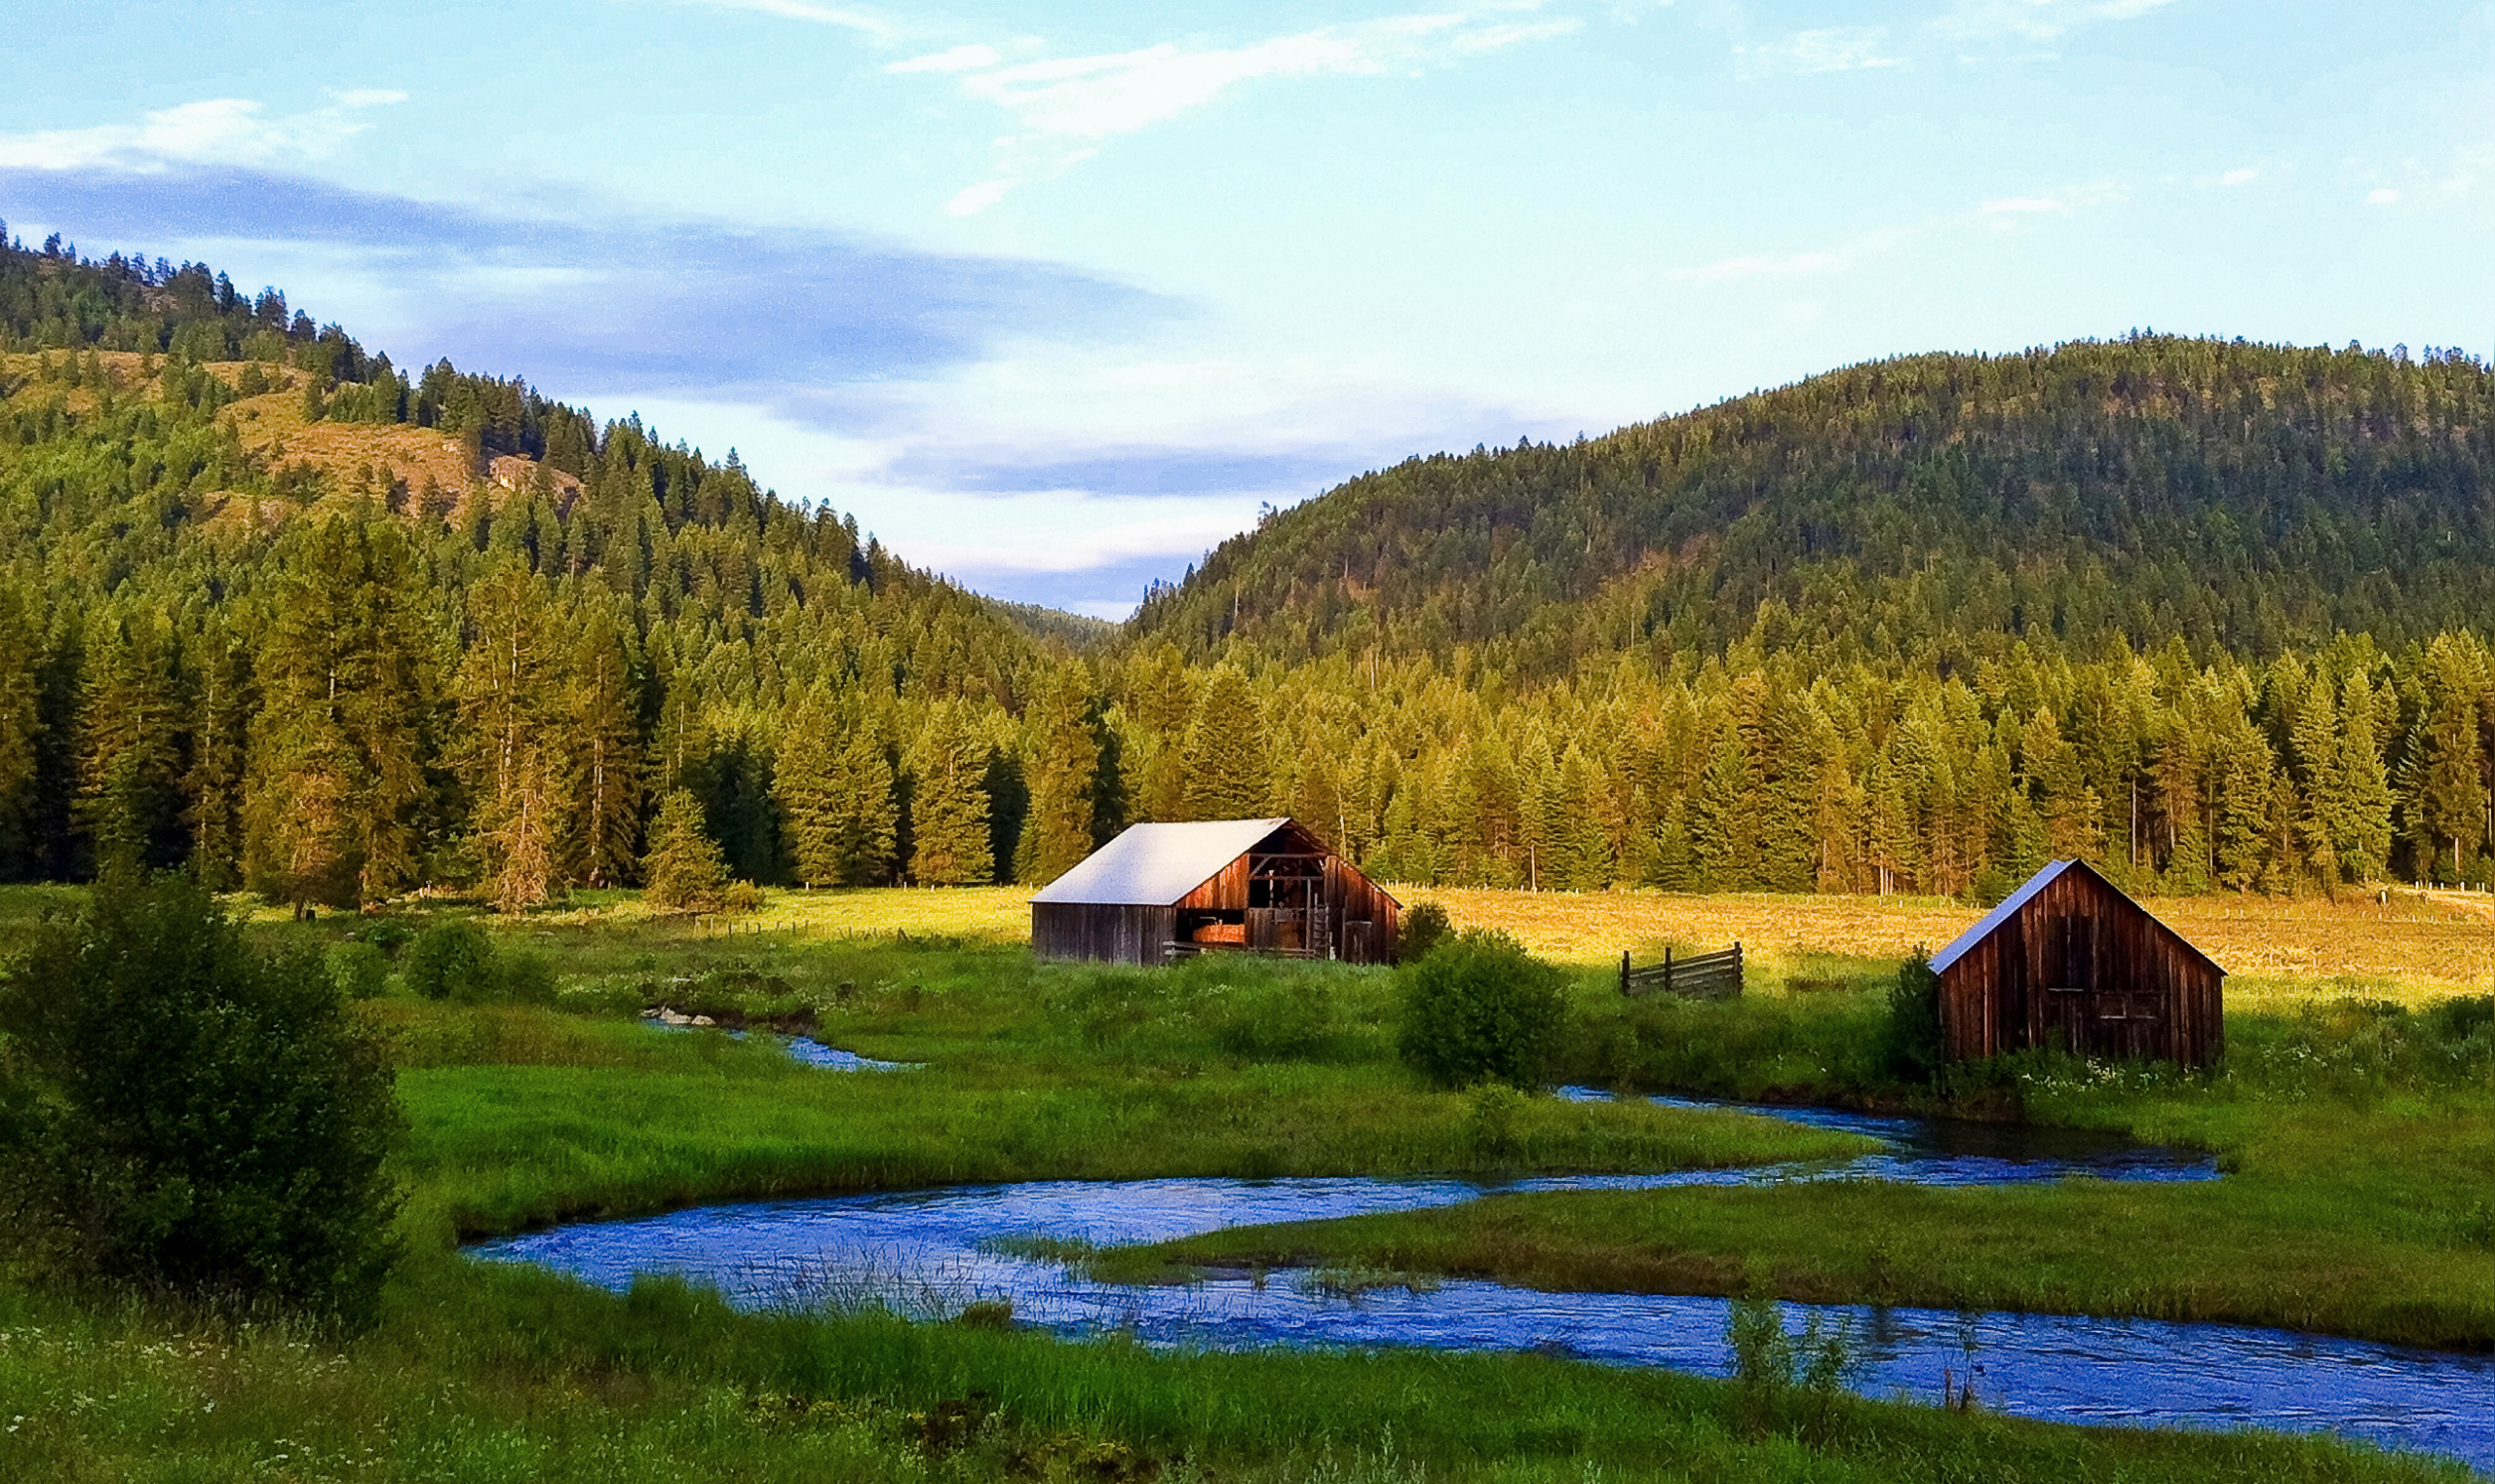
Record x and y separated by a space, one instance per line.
1910 1040
452 961
1780 1378
1421 930
1480 1008
359 970
524 977
183 1115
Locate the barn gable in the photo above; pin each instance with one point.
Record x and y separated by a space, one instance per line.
2069 963
1158 891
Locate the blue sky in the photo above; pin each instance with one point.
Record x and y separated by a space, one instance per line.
1054 297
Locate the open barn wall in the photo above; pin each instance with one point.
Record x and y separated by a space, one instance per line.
1101 933
2076 966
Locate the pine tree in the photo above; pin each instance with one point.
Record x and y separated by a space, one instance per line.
684 871
869 833
129 761
608 763
20 726
513 687
1226 772
2359 786
805 784
220 744
1062 761
339 757
948 804
2445 782
1581 858
2321 810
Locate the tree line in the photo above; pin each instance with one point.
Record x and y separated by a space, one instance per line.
381 691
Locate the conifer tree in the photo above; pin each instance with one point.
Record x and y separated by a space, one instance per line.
948 802
128 763
1062 767
2359 786
1581 858
607 768
515 727
869 819
684 871
338 757
1226 772
20 725
805 783
219 684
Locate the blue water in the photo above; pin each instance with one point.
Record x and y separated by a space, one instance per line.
933 1251
812 1052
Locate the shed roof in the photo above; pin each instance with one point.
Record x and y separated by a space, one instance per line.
2016 900
1154 865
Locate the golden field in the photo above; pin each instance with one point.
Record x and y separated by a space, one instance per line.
2417 948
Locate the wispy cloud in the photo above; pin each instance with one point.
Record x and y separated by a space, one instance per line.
1065 106
1832 49
223 131
845 18
2382 196
2037 20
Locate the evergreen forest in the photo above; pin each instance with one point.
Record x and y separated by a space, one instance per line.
2210 615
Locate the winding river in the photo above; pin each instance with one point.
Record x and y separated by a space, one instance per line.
931 1251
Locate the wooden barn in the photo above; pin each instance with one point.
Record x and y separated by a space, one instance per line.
2069 963
1160 892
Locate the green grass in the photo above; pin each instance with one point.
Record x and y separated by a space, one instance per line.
527 1114
508 1374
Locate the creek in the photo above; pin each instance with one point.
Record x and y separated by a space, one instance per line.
932 1251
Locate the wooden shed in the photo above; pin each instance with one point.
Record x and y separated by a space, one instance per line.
2071 964
1160 892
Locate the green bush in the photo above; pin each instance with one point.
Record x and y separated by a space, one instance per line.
452 961
359 970
1911 1038
524 977
181 1115
1421 930
1480 1008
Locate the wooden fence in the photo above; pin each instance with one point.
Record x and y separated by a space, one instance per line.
1698 976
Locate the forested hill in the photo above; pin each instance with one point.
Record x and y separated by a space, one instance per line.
2252 499
279 613
272 607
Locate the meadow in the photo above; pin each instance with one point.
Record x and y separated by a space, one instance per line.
2350 1166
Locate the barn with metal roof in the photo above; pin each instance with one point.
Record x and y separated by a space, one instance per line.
1161 892
2069 963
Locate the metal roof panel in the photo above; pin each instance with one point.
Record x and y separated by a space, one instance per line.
1154 865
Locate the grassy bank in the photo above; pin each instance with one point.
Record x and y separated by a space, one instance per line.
505 1373
523 1114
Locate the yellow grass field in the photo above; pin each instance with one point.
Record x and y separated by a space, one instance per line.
2419 948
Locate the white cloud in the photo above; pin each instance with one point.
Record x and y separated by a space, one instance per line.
2381 197
821 15
1056 100
2037 20
968 58
223 131
1786 265
1804 53
2244 177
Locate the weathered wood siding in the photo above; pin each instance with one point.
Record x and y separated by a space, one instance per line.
2081 968
1103 932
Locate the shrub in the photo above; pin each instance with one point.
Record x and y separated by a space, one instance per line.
740 896
452 961
1480 1008
523 976
1911 1038
1421 930
183 1115
359 970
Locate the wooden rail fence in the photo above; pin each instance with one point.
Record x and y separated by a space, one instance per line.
1698 976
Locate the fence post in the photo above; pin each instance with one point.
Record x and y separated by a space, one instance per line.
1667 968
1624 970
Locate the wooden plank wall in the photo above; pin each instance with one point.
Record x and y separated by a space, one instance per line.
1101 933
2083 968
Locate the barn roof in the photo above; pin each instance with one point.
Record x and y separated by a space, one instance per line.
1153 865
2010 905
